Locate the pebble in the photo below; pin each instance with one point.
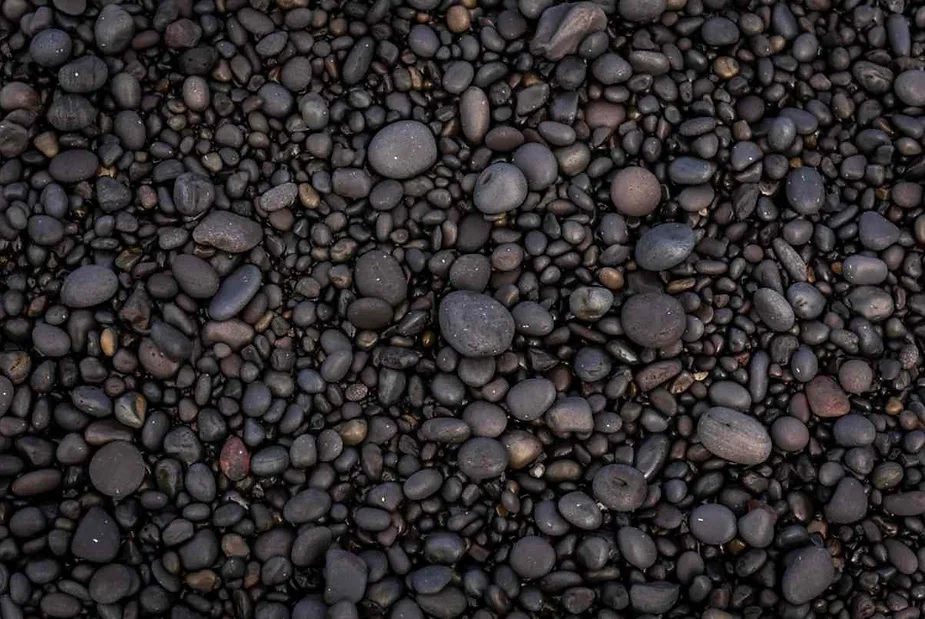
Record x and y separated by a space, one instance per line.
514 309
402 150
532 557
635 191
909 87
195 276
826 398
620 487
500 188
713 524
89 286
96 538
734 436
482 458
377 274
653 319
805 190
474 324
228 232
117 469
809 572
664 247
235 292
562 27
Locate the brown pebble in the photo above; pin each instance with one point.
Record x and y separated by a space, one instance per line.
235 461
826 398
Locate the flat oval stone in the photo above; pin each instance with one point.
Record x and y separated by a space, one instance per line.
580 510
501 187
734 436
482 458
73 166
664 247
235 292
653 319
620 487
532 557
88 286
195 276
96 538
713 524
117 469
809 573
909 86
403 149
905 504
112 583
826 398
773 309
475 325
377 274
228 232
690 171
848 503
83 75
654 598
805 190
530 399
71 112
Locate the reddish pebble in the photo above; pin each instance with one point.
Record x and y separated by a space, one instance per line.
235 459
826 398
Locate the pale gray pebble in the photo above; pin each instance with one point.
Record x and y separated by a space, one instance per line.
228 232
664 246
590 303
501 187
402 150
530 399
734 436
474 324
279 197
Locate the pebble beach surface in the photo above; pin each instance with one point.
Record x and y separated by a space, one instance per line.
481 309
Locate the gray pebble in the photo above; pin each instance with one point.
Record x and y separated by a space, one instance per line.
501 187
403 149
235 292
664 247
89 286
474 324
